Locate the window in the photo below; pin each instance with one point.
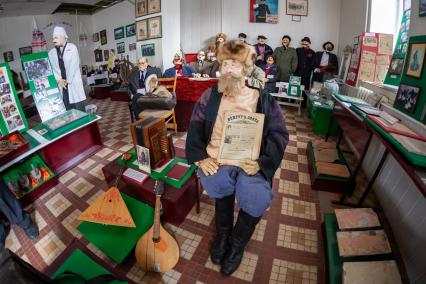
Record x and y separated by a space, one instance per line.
385 16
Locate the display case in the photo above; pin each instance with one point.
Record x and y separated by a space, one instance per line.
64 119
11 146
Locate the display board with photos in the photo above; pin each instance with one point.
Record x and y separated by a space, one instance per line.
396 65
411 97
12 117
44 88
371 58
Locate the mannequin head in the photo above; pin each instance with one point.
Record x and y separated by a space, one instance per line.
261 40
142 63
270 60
59 36
286 40
242 37
201 56
306 42
328 46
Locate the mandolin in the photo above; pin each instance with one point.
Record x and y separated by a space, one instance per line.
157 250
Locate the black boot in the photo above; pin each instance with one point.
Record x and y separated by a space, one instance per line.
224 212
240 236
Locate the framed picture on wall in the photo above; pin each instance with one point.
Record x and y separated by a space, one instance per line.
130 30
106 54
84 69
416 60
98 55
154 6
8 56
121 48
103 35
407 97
119 33
141 8
132 46
25 50
297 7
95 37
396 65
141 30
154 27
422 8
263 11
148 49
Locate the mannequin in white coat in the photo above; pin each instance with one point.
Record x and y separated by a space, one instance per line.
66 68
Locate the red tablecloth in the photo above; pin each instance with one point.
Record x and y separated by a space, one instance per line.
187 94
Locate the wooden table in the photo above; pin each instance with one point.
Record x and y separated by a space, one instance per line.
297 100
177 202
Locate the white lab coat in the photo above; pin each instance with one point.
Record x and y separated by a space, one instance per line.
72 69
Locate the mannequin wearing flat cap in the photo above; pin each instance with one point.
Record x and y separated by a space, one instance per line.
65 62
262 50
247 181
305 64
325 63
201 66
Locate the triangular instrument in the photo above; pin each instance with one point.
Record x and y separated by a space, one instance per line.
109 209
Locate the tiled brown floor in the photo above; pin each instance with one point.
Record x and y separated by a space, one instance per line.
287 246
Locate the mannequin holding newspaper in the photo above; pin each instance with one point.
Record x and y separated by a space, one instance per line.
215 136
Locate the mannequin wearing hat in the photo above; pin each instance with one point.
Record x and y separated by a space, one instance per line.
247 181
262 10
65 62
286 59
325 63
242 37
262 50
179 68
305 64
201 66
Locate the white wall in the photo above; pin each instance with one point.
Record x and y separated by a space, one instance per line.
202 19
171 30
16 32
418 24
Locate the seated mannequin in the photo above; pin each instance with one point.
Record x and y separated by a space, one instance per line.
201 66
271 73
325 63
214 65
250 181
179 68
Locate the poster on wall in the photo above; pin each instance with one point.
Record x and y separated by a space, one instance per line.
103 35
154 27
43 85
12 116
141 30
264 11
140 8
154 6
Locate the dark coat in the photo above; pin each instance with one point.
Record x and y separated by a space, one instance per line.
186 72
268 51
214 67
134 78
274 139
286 60
262 10
272 76
305 65
202 69
332 67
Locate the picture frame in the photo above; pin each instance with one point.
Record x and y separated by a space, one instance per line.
154 27
132 46
8 56
25 50
95 37
121 47
142 30
154 6
416 59
297 7
131 30
407 97
148 49
265 12
103 36
98 55
118 33
422 8
84 69
396 65
106 55
141 8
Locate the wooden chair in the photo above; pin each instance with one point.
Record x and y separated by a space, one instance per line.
167 115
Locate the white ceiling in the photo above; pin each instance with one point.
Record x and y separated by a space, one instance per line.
35 7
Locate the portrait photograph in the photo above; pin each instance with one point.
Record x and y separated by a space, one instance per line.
297 7
141 8
8 56
141 30
416 60
154 6
95 37
407 97
119 33
98 55
103 35
396 65
130 30
121 47
154 27
106 54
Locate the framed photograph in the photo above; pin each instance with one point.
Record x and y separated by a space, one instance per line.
148 49
396 65
154 27
25 50
8 56
154 6
106 54
119 33
98 55
416 60
141 30
130 30
297 7
132 46
84 69
264 11
103 35
121 48
407 97
422 8
141 8
95 37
